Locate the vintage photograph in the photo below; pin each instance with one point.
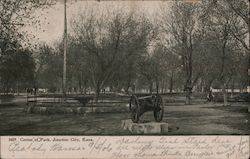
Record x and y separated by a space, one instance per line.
79 67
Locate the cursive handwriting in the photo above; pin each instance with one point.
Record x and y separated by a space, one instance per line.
18 147
190 147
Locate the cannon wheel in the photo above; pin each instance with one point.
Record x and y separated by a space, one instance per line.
134 108
158 113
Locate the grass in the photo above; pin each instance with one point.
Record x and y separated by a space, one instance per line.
196 119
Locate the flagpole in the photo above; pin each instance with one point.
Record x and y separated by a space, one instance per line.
65 49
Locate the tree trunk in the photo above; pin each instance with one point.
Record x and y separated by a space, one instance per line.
162 86
80 83
157 86
202 85
241 89
189 72
224 94
171 82
232 89
188 91
223 66
207 86
188 96
85 90
128 86
17 88
151 87
85 86
97 92
7 88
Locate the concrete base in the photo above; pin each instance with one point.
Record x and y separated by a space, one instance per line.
145 128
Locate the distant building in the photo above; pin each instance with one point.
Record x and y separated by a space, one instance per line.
42 90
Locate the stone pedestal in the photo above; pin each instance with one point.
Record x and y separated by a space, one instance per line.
145 128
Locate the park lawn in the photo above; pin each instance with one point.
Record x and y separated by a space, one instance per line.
196 119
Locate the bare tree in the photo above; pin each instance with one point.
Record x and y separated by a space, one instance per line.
219 48
110 37
241 25
180 26
13 16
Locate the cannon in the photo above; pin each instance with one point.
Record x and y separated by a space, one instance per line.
140 105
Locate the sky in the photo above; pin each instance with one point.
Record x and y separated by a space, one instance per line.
52 25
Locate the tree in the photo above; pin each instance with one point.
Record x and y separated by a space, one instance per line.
109 41
13 16
150 71
78 74
17 70
241 25
180 25
217 47
49 67
222 21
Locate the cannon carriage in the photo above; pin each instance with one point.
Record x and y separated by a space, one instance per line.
139 105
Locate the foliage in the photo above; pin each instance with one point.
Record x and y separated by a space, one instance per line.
17 69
